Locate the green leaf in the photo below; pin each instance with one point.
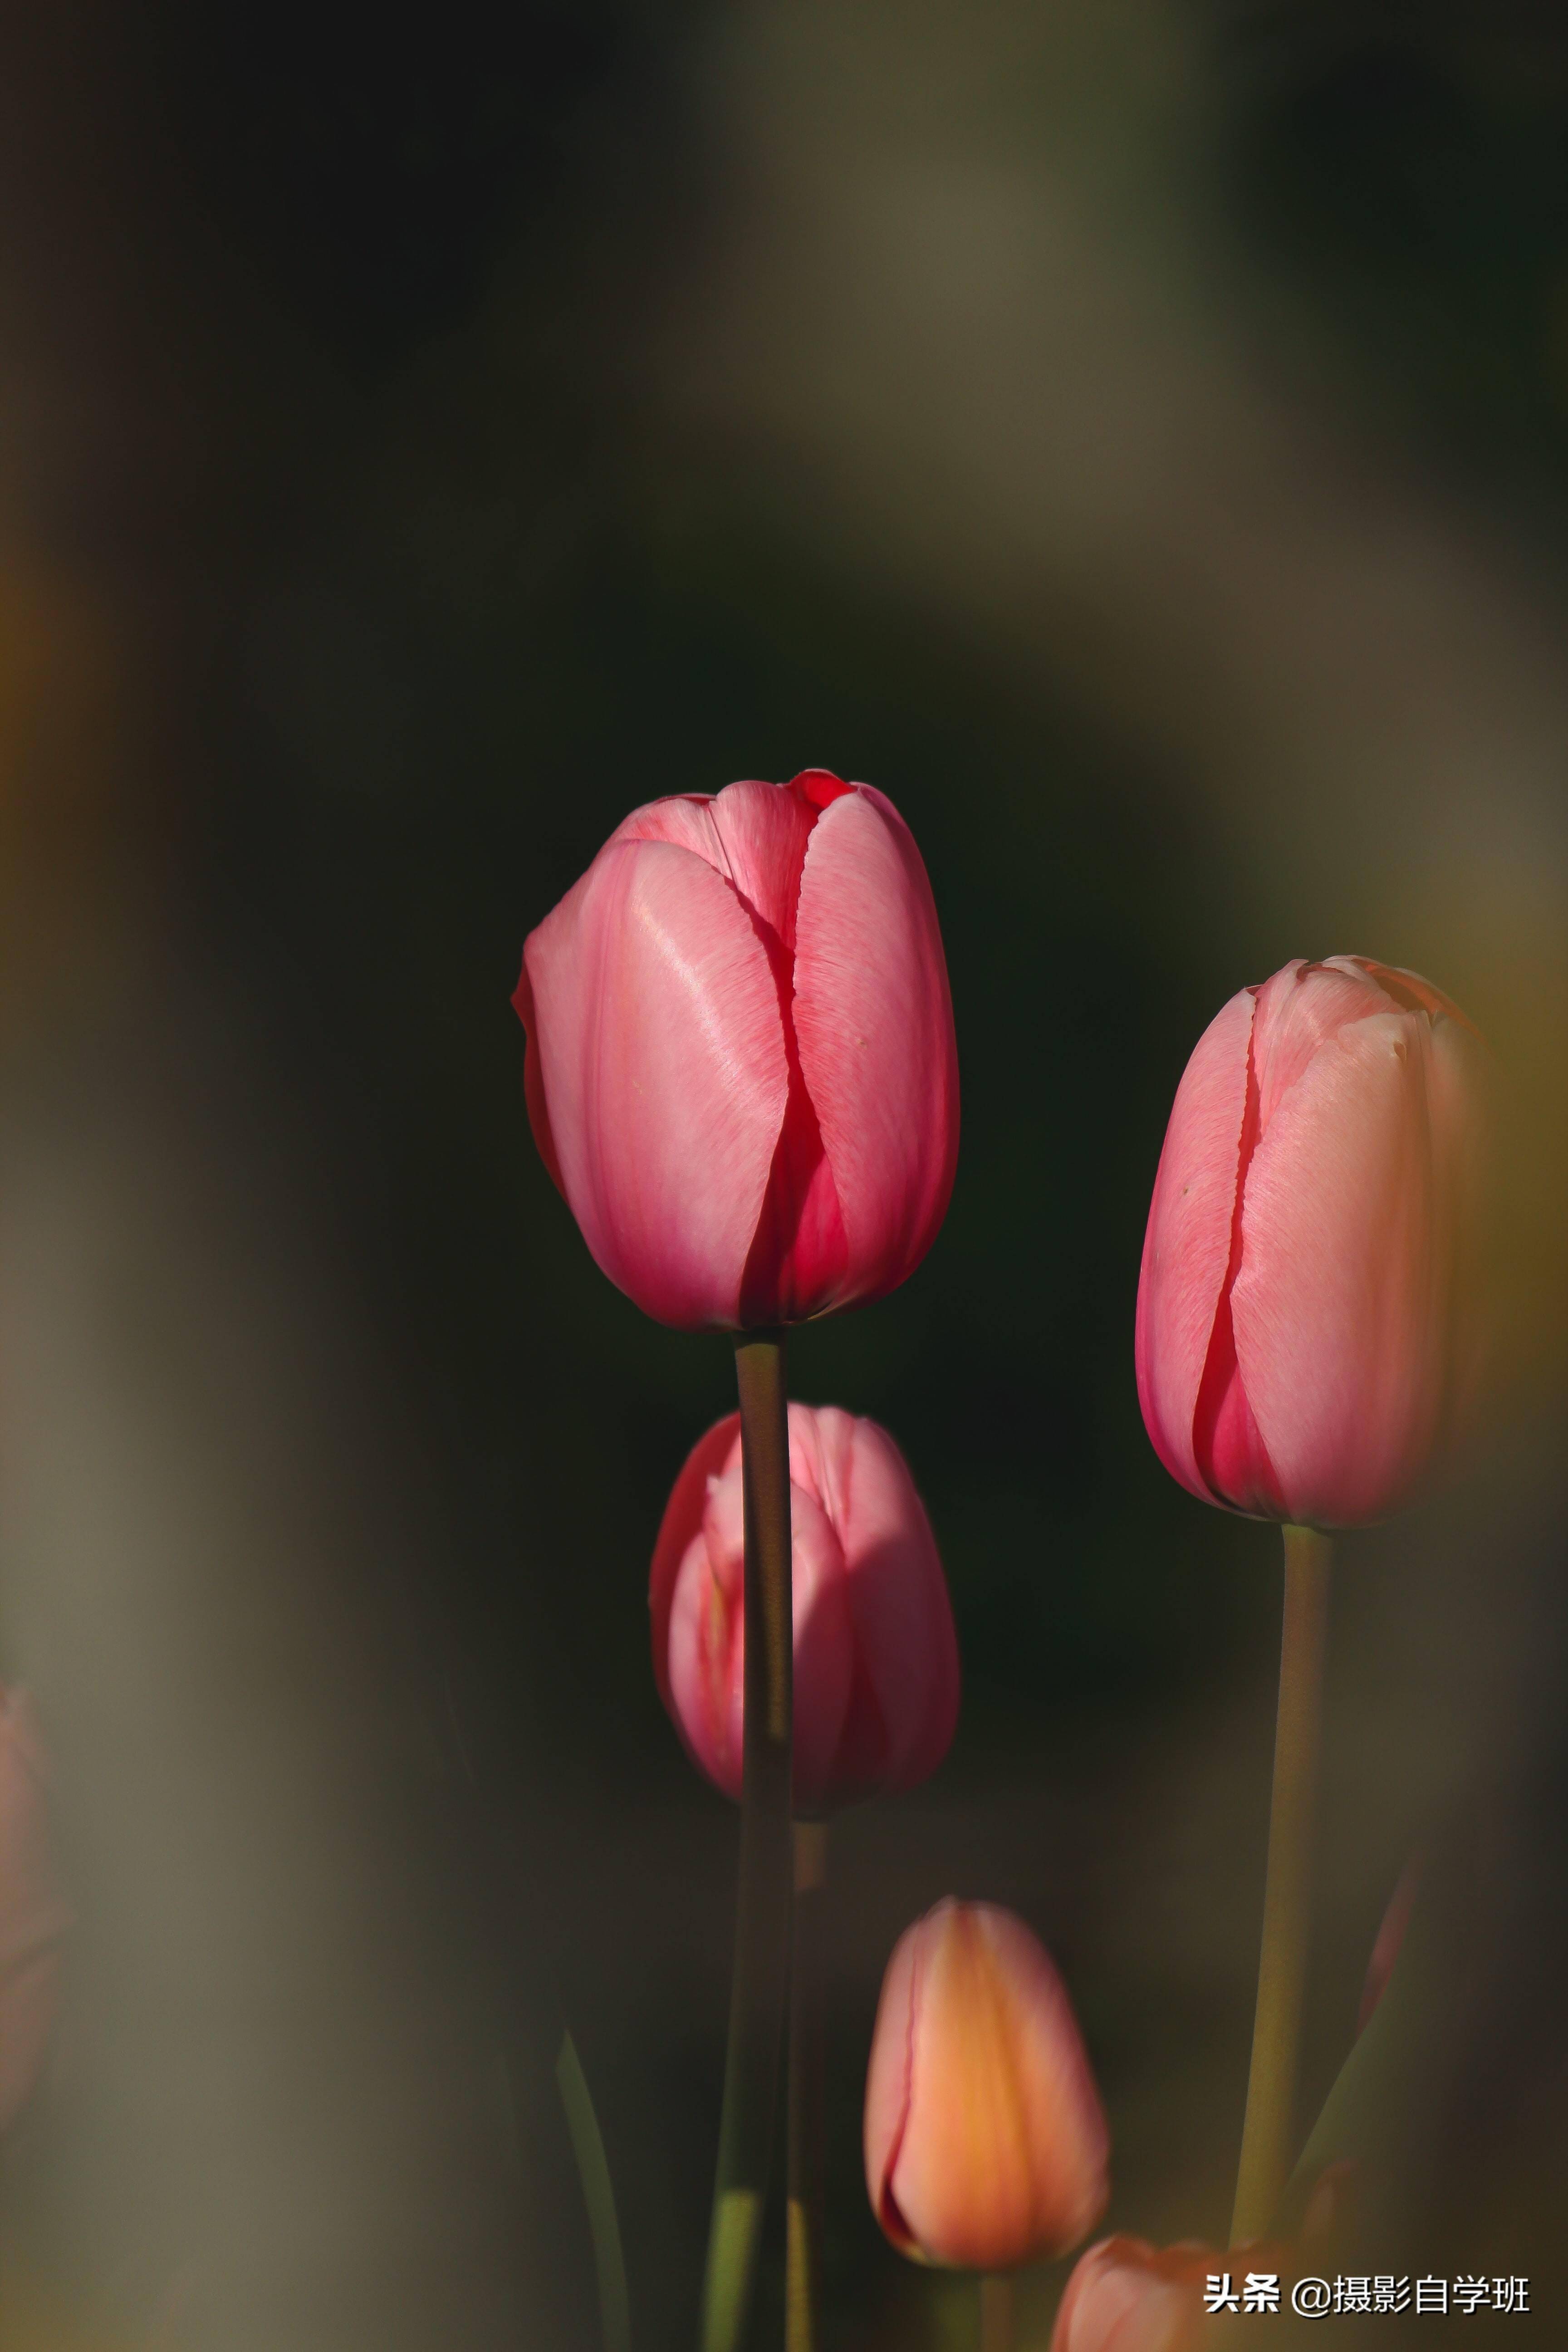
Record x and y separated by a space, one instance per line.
598 2195
1379 2111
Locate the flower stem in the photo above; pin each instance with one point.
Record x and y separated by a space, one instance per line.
995 2313
808 2096
759 1986
1287 1894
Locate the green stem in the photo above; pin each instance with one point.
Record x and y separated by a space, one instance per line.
759 1986
995 2313
1287 1894
808 2096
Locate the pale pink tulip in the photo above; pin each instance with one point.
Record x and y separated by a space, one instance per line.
33 1917
741 1066
986 2142
1126 2295
1305 1338
876 1658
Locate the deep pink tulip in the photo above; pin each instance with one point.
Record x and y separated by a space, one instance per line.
1303 1342
740 1067
33 1917
986 2142
876 1659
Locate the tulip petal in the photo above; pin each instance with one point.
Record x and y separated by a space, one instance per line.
876 1658
873 1020
962 2177
888 2083
899 1602
683 821
708 1639
900 1721
1226 1435
753 833
1337 1304
824 1654
703 1679
705 1672
799 1253
821 1447
534 1079
664 1069
764 829
1002 2153
1298 1011
708 1459
1124 2296
1186 1247
1409 990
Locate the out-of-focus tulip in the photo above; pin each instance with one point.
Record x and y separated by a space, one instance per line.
1329 2211
740 1067
33 1917
1126 2295
1389 1941
986 2142
1305 1338
876 1658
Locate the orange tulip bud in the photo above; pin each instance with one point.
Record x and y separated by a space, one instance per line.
985 2141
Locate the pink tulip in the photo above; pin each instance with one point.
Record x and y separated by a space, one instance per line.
1303 1343
876 1659
1126 2295
740 1067
986 2142
33 1917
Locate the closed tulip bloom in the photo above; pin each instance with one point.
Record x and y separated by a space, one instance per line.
33 1917
986 2142
1126 2295
1304 1343
740 1067
876 1658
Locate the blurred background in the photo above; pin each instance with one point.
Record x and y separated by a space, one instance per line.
1134 435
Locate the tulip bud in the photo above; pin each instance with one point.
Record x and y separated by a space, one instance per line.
876 1658
1126 2295
741 1067
32 1917
1305 1340
986 2142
